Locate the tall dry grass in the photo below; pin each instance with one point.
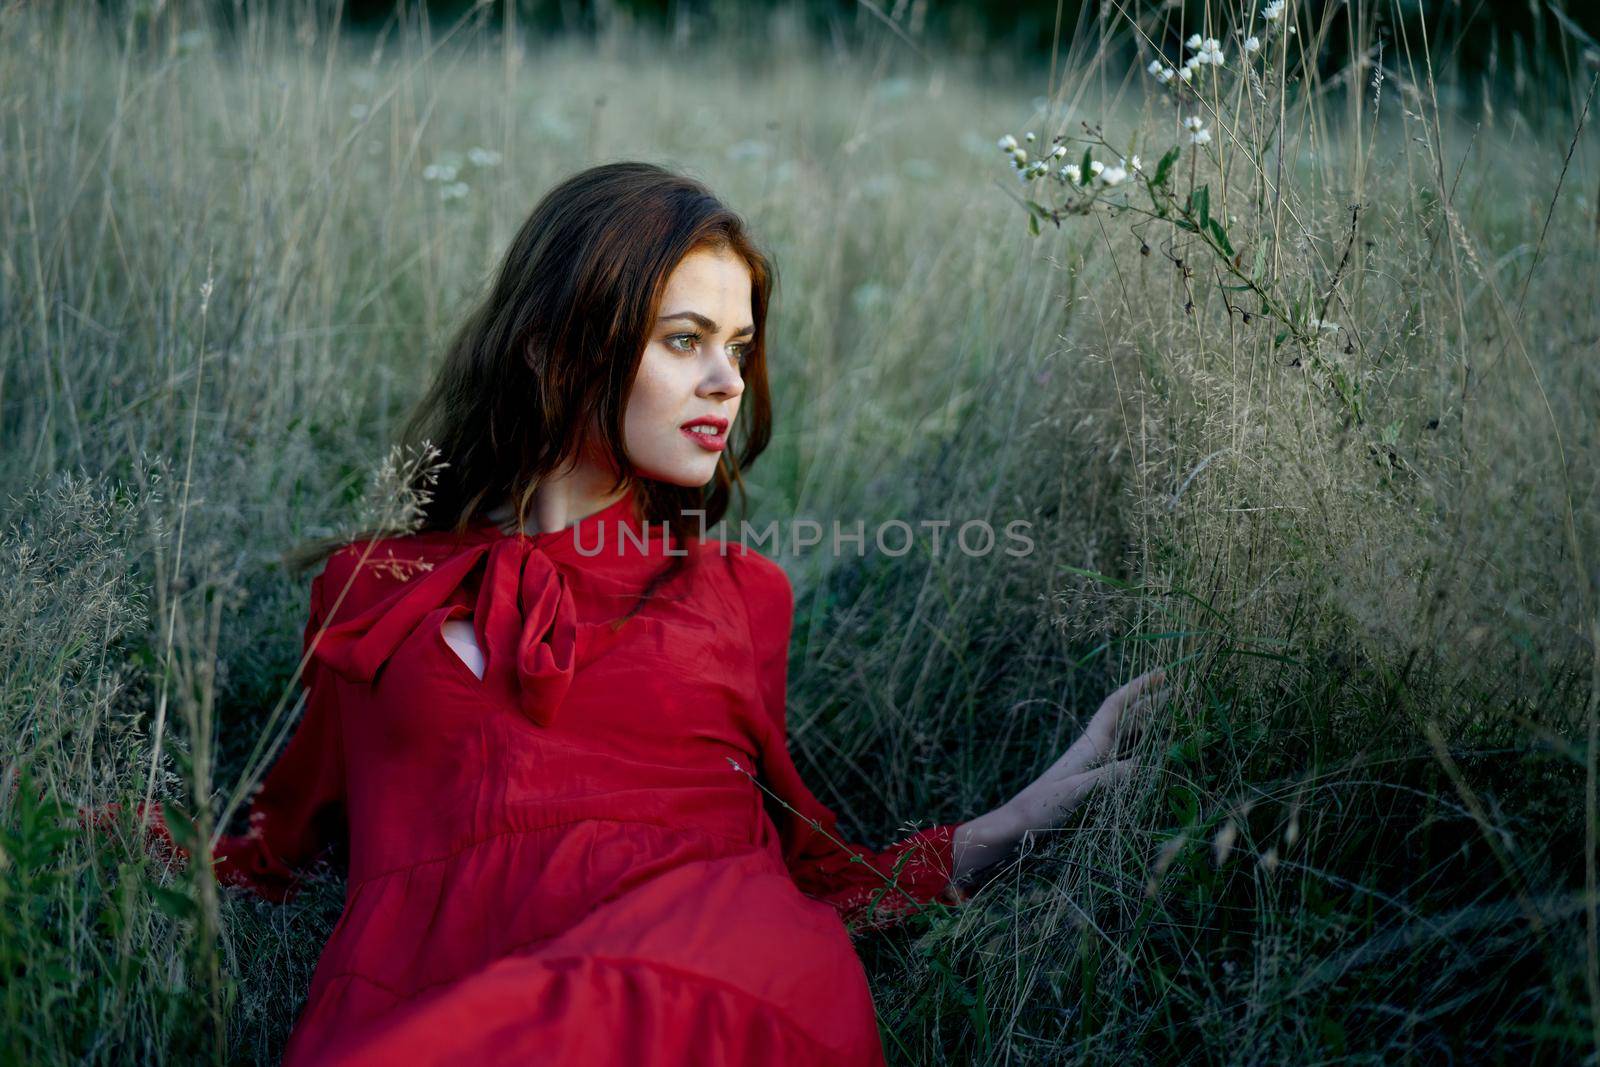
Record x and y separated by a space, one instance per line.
1366 829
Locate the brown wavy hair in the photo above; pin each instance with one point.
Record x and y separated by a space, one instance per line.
558 340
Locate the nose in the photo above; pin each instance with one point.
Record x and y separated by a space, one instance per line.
722 378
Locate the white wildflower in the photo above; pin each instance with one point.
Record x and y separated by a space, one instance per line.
1028 137
1193 43
439 172
1072 173
1134 165
1095 167
483 157
1186 72
1154 67
1211 52
1166 75
453 191
1194 122
1273 11
1019 158
1252 44
1057 152
1200 137
1114 175
1007 143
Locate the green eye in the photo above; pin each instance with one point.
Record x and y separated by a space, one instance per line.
743 350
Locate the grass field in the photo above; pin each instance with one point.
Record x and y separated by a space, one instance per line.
1327 434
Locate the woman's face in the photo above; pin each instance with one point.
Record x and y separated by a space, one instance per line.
691 370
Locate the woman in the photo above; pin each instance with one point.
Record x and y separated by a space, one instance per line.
547 729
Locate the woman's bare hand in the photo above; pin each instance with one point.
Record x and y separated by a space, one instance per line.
1067 783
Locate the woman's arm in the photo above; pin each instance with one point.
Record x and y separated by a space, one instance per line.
1067 783
943 862
868 888
298 813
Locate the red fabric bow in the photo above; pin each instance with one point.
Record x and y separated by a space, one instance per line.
524 608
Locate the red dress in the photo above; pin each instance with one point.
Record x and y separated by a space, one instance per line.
567 861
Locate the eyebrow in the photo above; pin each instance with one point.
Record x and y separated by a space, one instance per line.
700 320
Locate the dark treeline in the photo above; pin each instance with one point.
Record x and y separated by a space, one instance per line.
1474 36
1505 42
1530 55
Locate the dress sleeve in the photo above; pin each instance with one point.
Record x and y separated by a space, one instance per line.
298 813
869 889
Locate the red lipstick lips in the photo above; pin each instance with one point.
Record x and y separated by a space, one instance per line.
713 438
